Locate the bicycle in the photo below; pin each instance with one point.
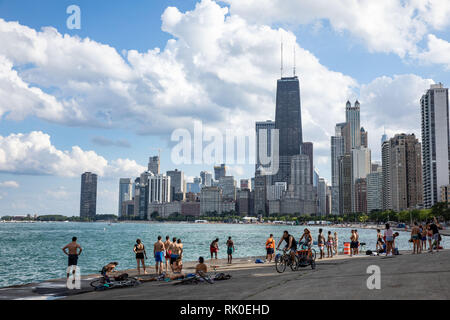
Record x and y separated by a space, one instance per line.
283 260
105 283
306 257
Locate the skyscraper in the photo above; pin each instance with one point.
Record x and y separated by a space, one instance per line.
435 143
385 158
220 171
375 191
405 169
352 117
153 165
288 121
364 138
177 185
88 198
268 126
125 192
308 150
345 184
206 178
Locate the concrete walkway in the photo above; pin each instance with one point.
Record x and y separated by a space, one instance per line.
425 276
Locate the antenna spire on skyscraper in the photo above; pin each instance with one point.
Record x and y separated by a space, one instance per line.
282 57
294 60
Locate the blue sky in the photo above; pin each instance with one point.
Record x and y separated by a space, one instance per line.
117 98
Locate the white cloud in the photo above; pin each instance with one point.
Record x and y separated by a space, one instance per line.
384 26
34 154
9 184
438 52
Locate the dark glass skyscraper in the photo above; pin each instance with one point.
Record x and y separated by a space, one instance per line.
88 199
288 120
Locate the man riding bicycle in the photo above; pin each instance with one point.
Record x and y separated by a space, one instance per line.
291 244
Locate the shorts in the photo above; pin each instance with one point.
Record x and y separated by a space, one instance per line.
354 245
269 250
213 250
415 237
430 238
294 249
139 256
424 239
230 251
389 239
436 236
73 260
173 258
159 256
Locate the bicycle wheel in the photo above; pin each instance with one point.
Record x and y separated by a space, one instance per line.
313 254
295 263
131 282
280 264
97 283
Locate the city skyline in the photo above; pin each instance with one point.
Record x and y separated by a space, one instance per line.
115 141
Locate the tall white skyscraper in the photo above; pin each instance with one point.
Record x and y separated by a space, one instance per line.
352 116
435 143
125 192
159 189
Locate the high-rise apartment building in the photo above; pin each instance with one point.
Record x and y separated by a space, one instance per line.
125 192
435 143
88 196
386 160
375 190
211 200
345 184
361 195
228 186
308 150
405 170
364 138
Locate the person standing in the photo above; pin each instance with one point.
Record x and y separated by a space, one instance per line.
435 226
158 252
230 250
357 241
330 245
389 237
336 243
214 248
353 244
415 237
139 250
379 246
321 243
423 238
270 248
167 245
72 250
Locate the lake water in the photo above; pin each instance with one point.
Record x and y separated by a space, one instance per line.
31 252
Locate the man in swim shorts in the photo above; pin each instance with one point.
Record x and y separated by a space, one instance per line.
230 250
167 245
72 253
214 248
158 251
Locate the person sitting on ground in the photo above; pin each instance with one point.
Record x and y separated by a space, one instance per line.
201 268
178 266
108 271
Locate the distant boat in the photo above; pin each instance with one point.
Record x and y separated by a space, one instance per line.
201 221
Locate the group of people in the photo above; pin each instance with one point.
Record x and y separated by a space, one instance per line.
420 234
167 253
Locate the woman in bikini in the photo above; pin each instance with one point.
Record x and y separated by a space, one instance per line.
330 245
139 250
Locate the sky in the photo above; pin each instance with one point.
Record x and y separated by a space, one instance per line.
105 97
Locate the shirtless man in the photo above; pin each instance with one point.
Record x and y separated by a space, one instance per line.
177 249
201 267
167 245
158 251
72 253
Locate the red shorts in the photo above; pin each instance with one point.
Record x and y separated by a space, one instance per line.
213 250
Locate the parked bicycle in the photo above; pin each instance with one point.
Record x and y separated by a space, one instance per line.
121 281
